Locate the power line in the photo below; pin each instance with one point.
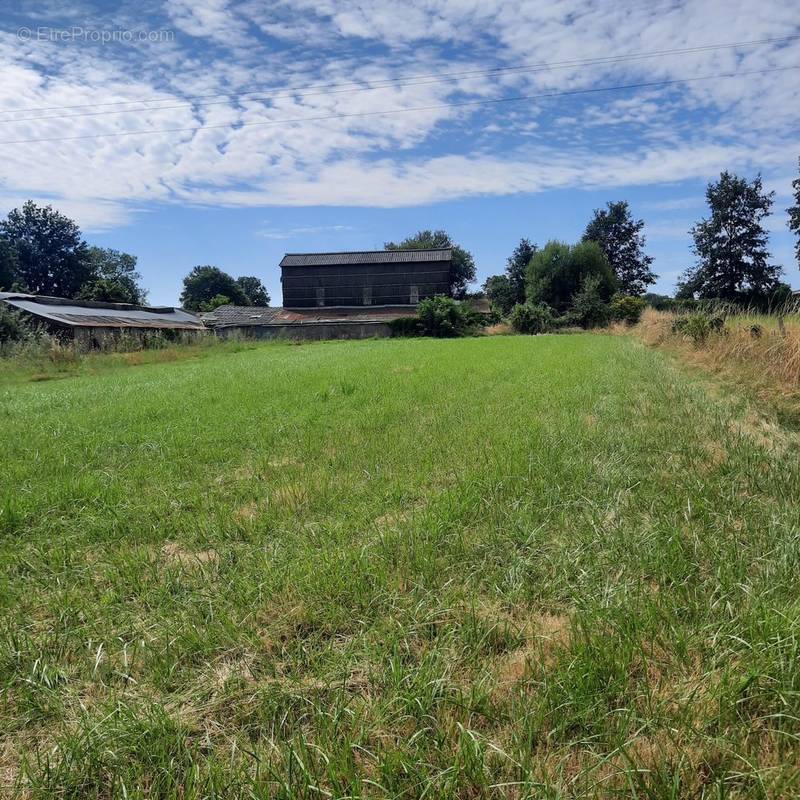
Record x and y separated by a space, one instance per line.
352 86
458 104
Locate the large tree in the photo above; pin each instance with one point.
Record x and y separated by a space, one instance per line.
50 251
115 278
206 283
621 239
731 244
559 271
462 270
506 290
255 290
794 215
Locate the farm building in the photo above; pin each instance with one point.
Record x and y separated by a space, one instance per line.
303 323
94 323
364 278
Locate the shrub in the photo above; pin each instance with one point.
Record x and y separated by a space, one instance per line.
405 326
627 309
12 326
443 317
529 318
589 309
698 326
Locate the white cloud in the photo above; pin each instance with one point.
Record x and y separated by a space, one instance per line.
658 135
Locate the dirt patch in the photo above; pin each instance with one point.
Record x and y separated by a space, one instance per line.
173 553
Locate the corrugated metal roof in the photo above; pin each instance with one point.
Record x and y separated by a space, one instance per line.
365 257
241 316
92 314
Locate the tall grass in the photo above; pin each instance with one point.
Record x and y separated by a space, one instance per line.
502 567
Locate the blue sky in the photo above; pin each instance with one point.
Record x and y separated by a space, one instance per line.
199 178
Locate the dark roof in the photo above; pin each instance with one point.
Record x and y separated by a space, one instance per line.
366 257
241 316
93 314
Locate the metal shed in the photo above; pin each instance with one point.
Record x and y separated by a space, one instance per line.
364 278
92 322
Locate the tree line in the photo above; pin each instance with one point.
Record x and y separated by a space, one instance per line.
43 252
609 268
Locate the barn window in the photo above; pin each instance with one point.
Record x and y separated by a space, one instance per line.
414 298
320 295
367 295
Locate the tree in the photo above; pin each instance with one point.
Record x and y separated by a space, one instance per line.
51 254
116 279
589 308
205 282
794 215
8 264
462 269
621 239
558 272
731 245
254 289
501 293
507 290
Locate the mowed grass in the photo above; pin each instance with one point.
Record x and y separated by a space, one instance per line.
553 566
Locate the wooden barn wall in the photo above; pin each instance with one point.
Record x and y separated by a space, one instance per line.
388 284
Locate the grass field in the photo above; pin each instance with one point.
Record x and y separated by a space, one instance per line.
555 566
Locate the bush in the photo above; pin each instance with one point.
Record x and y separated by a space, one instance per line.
627 309
405 326
699 325
12 326
444 318
589 309
529 318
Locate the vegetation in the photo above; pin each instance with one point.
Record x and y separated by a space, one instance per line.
206 288
115 278
532 319
731 245
507 290
462 269
557 274
621 239
794 215
627 309
328 571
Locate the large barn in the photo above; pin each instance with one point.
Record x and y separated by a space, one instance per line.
364 278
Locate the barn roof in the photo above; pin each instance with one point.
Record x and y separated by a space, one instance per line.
93 314
366 257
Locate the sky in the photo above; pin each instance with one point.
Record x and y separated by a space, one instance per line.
229 132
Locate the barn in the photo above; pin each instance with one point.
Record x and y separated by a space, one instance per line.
364 278
95 324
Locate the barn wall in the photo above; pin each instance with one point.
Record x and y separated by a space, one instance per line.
308 331
364 284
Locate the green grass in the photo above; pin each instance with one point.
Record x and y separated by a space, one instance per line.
498 567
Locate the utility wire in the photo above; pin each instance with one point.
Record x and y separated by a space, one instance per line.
358 114
352 86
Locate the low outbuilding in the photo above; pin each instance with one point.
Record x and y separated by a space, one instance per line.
96 324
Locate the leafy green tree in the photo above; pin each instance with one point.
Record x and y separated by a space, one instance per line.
621 239
116 279
215 302
8 264
206 282
501 293
254 289
507 290
50 252
589 307
557 273
462 269
529 318
794 215
731 245
442 317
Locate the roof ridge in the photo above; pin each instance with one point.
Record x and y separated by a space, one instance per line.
362 252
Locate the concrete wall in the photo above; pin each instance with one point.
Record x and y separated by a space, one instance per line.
308 331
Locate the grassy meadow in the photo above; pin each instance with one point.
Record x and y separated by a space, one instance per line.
505 567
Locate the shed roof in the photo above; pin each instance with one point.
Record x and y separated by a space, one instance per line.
366 257
93 314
